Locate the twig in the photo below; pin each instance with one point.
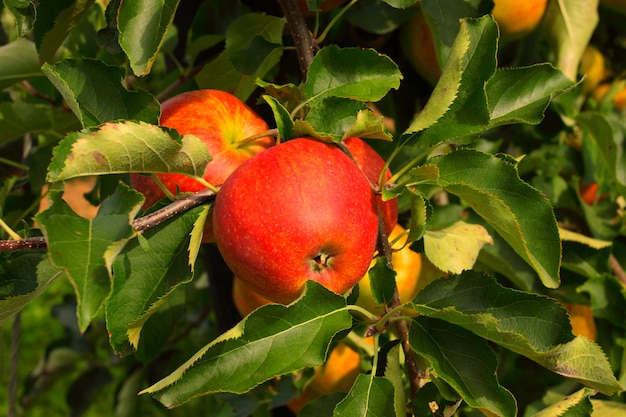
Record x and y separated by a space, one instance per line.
181 205
617 269
304 42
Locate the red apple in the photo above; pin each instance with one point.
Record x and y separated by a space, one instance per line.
298 211
223 123
372 165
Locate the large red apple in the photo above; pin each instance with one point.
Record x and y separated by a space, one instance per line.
223 123
298 211
372 164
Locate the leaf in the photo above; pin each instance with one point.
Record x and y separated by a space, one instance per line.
528 324
577 403
490 185
394 371
55 20
272 341
284 124
568 235
457 108
568 26
127 147
144 279
464 361
24 276
84 249
19 118
521 95
369 396
455 248
355 73
95 93
382 281
143 25
24 12
231 71
19 62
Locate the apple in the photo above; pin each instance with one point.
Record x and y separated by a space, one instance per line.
516 19
408 266
245 299
300 210
581 319
619 99
224 123
372 164
592 66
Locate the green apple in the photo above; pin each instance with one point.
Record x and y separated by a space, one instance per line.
224 123
302 210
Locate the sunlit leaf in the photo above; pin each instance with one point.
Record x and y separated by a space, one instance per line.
370 395
576 404
271 341
127 147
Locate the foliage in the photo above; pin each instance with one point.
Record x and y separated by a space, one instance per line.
487 168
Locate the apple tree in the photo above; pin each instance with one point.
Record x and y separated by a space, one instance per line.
506 168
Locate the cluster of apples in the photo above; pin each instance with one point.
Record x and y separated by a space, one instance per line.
285 213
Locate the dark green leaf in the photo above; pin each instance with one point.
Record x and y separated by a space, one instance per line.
520 214
127 147
370 396
273 340
144 279
465 361
521 95
55 20
95 93
382 281
84 249
142 26
19 118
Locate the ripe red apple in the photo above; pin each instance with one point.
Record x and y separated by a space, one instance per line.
223 123
372 164
298 211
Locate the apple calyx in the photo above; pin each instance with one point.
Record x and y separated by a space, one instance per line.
321 262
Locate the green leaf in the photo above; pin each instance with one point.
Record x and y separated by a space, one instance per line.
19 62
576 404
144 279
568 26
382 281
457 109
394 371
272 341
96 94
19 118
522 94
490 185
454 249
331 118
529 324
284 124
23 277
24 12
231 70
369 396
127 147
84 249
465 361
143 25
355 73
55 20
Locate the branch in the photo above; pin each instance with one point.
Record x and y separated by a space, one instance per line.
306 47
181 205
617 269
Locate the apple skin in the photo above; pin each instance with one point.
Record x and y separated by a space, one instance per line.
245 299
298 211
418 47
372 164
222 122
516 19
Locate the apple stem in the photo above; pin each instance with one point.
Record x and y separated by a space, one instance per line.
367 315
270 132
332 23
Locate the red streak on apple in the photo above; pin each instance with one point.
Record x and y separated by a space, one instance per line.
298 211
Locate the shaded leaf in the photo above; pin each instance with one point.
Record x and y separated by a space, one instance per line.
271 341
490 185
145 278
24 12
84 248
19 62
55 20
142 26
465 361
127 147
19 117
96 94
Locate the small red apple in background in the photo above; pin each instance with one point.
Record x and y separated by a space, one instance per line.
372 165
298 211
223 123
